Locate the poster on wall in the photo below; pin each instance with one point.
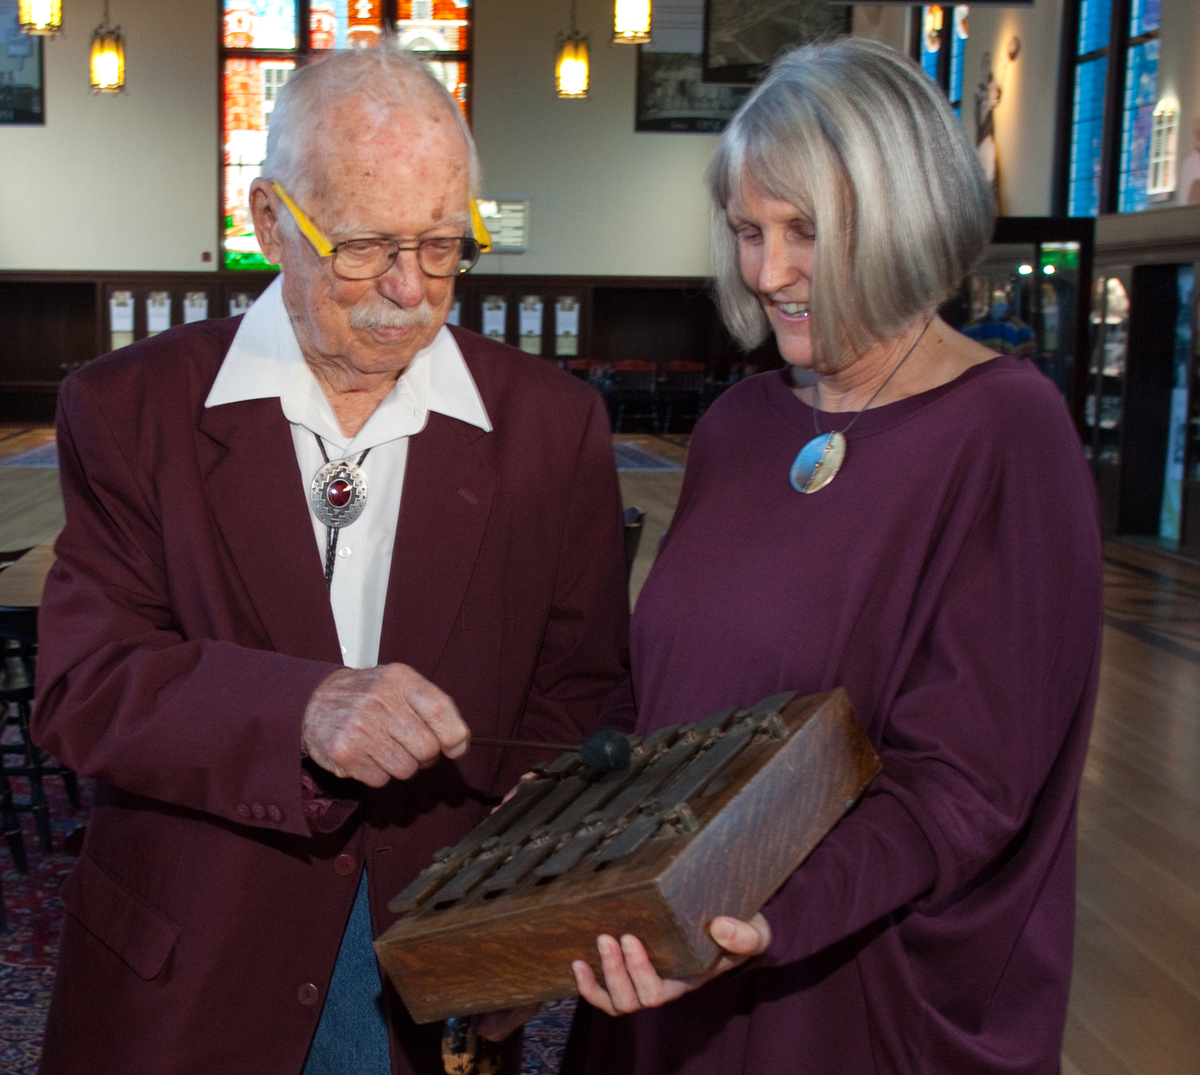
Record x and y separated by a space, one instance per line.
21 96
671 96
743 37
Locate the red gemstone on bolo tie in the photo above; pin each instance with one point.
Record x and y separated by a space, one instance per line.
339 493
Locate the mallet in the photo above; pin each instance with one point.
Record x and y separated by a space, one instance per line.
605 751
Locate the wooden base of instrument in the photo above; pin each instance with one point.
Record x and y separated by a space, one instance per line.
722 851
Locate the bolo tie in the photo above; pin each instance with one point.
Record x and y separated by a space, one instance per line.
337 495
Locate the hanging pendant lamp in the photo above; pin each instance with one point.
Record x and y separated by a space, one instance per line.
571 66
108 57
42 18
631 22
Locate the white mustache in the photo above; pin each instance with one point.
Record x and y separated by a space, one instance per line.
371 311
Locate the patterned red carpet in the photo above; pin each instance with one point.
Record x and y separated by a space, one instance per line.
30 947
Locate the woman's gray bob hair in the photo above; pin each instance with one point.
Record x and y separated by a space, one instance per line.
866 147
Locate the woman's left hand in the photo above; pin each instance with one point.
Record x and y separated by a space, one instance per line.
631 983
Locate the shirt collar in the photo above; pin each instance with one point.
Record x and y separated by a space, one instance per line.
264 362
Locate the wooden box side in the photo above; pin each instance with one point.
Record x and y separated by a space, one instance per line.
769 827
519 956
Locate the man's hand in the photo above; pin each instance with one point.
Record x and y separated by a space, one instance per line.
631 983
372 724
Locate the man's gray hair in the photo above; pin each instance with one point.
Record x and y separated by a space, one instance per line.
863 144
390 79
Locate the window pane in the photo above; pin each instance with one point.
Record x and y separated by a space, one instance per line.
250 89
1087 124
958 50
1095 16
1137 121
433 25
345 24
1144 16
260 24
931 39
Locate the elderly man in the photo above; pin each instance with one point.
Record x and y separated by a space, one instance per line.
307 554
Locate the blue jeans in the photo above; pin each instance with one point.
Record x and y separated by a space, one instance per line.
351 1038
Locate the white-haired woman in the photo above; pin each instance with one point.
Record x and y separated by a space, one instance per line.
902 513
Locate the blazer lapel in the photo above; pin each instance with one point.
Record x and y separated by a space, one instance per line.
256 495
444 511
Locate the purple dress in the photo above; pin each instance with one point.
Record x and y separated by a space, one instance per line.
950 579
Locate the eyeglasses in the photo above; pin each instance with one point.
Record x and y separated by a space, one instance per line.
366 259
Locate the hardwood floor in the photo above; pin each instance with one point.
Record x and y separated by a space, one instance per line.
32 504
1135 1001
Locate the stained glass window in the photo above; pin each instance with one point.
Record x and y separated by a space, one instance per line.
958 52
260 24
1087 108
1087 130
261 46
945 28
1141 90
931 39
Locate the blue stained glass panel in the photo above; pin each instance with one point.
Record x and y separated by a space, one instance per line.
1137 118
1144 16
1087 127
1095 18
929 57
958 50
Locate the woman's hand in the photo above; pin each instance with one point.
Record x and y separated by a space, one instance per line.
631 983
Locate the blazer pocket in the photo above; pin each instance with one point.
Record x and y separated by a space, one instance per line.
139 934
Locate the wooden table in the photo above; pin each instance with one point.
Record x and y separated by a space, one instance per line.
21 585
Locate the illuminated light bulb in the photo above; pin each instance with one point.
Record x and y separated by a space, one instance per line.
1025 270
41 18
571 71
108 58
631 22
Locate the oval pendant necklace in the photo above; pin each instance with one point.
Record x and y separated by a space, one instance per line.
818 462
337 496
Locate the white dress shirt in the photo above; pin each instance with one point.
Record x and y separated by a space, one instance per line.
264 362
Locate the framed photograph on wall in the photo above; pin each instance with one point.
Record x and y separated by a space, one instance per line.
672 97
743 37
21 95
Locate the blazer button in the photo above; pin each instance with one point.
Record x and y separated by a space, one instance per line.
274 813
344 865
258 811
308 994
242 810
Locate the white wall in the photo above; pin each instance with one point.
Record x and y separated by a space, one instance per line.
604 199
1024 118
124 181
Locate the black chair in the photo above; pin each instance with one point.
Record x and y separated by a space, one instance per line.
19 756
681 391
634 518
632 392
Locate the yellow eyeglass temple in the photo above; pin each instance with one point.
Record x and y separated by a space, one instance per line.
479 228
325 248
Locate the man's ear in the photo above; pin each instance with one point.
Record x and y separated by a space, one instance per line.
266 221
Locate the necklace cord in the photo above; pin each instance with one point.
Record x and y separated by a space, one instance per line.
886 381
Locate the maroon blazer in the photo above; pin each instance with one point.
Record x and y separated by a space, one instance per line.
183 629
